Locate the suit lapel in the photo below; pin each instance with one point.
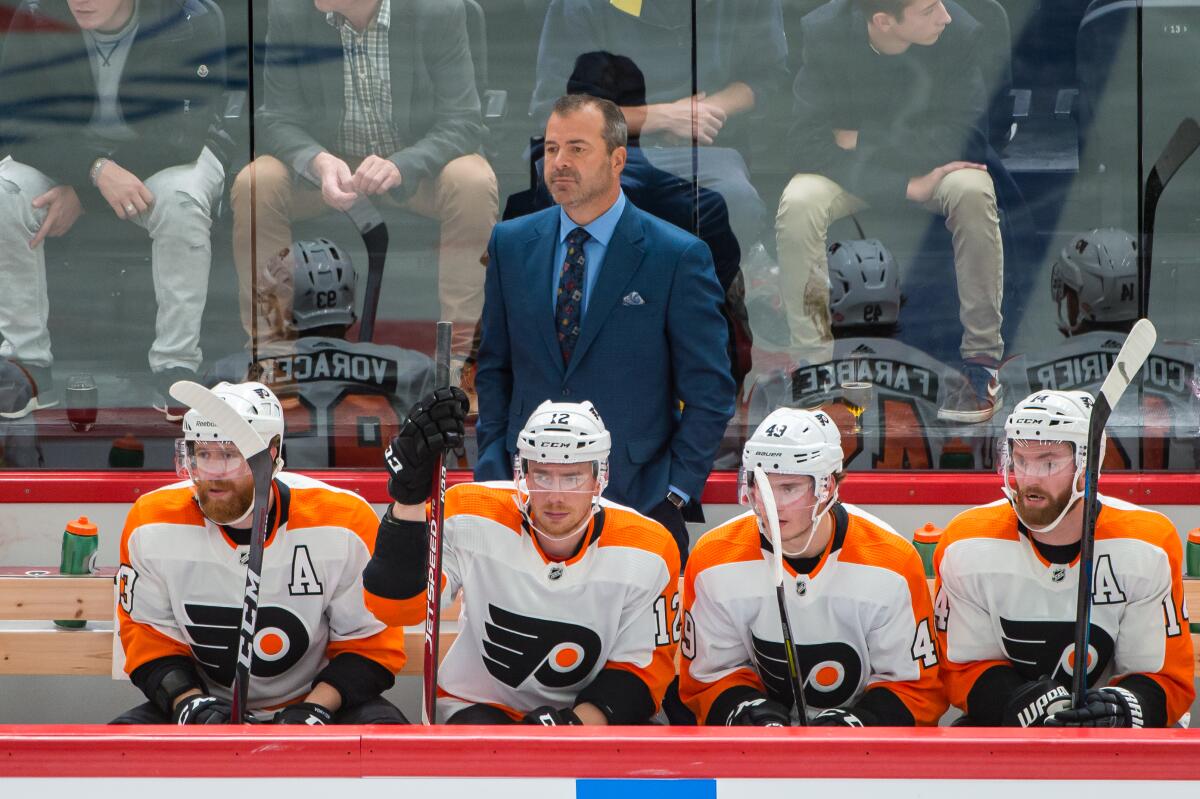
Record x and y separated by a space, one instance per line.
621 263
536 289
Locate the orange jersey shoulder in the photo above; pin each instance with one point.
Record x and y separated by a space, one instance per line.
494 501
735 541
625 527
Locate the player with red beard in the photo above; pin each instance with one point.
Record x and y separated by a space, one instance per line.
1007 579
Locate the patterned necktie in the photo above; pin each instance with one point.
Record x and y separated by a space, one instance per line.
568 304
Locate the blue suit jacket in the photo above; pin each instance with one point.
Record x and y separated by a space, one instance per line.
635 361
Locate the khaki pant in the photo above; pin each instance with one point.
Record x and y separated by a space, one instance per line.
966 198
463 198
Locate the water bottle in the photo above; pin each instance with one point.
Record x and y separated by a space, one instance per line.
1193 554
79 544
925 539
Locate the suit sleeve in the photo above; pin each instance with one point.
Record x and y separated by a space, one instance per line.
698 339
283 113
458 127
494 378
147 625
715 662
1154 647
570 29
903 650
965 636
641 664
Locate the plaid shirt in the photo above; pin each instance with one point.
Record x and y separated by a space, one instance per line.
367 83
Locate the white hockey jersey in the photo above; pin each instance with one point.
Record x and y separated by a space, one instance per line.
533 631
342 400
182 582
1158 435
998 600
861 620
900 428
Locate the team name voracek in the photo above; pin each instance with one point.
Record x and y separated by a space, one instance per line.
330 365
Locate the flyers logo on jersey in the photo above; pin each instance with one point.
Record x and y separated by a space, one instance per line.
831 671
1038 648
280 640
554 653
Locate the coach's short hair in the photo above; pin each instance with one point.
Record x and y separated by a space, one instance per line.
893 8
616 131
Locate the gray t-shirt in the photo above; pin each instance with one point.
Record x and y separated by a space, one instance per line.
107 53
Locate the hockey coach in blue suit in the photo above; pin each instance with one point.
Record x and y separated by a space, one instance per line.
594 299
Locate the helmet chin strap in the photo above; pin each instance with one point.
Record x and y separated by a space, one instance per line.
527 517
1076 495
819 510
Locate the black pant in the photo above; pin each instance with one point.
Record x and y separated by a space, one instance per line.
374 711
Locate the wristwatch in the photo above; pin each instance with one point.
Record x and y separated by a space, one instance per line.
676 499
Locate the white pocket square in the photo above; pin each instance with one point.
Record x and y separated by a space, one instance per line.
633 298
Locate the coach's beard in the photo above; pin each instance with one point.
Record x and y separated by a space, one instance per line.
230 506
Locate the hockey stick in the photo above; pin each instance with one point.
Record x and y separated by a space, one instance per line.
433 575
258 457
1183 143
768 501
1128 363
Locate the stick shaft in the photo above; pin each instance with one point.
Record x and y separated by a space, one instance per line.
433 586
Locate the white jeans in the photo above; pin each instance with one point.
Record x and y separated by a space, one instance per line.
178 222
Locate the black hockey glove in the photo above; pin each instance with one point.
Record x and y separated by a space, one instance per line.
759 713
1112 706
552 717
836 717
202 709
434 425
309 713
1034 702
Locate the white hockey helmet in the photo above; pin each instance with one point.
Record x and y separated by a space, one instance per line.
254 402
325 284
1048 417
564 432
1094 279
795 442
864 283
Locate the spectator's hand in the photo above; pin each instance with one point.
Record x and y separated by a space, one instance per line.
676 118
62 209
846 139
376 175
123 191
337 184
920 190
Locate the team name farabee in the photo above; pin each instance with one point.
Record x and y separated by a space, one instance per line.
1090 369
903 378
379 373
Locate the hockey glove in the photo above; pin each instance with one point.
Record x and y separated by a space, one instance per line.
1035 702
202 709
309 713
836 717
552 717
434 425
1112 706
759 713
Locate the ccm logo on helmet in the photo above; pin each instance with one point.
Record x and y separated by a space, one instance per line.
1026 421
554 445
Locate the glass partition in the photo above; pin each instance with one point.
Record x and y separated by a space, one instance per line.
918 212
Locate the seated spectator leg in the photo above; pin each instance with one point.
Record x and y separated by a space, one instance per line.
464 198
278 200
180 223
967 198
373 711
24 304
810 204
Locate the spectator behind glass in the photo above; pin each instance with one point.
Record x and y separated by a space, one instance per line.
111 106
618 79
741 60
376 99
887 107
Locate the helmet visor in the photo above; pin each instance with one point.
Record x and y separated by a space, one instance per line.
210 460
791 491
1040 459
558 478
